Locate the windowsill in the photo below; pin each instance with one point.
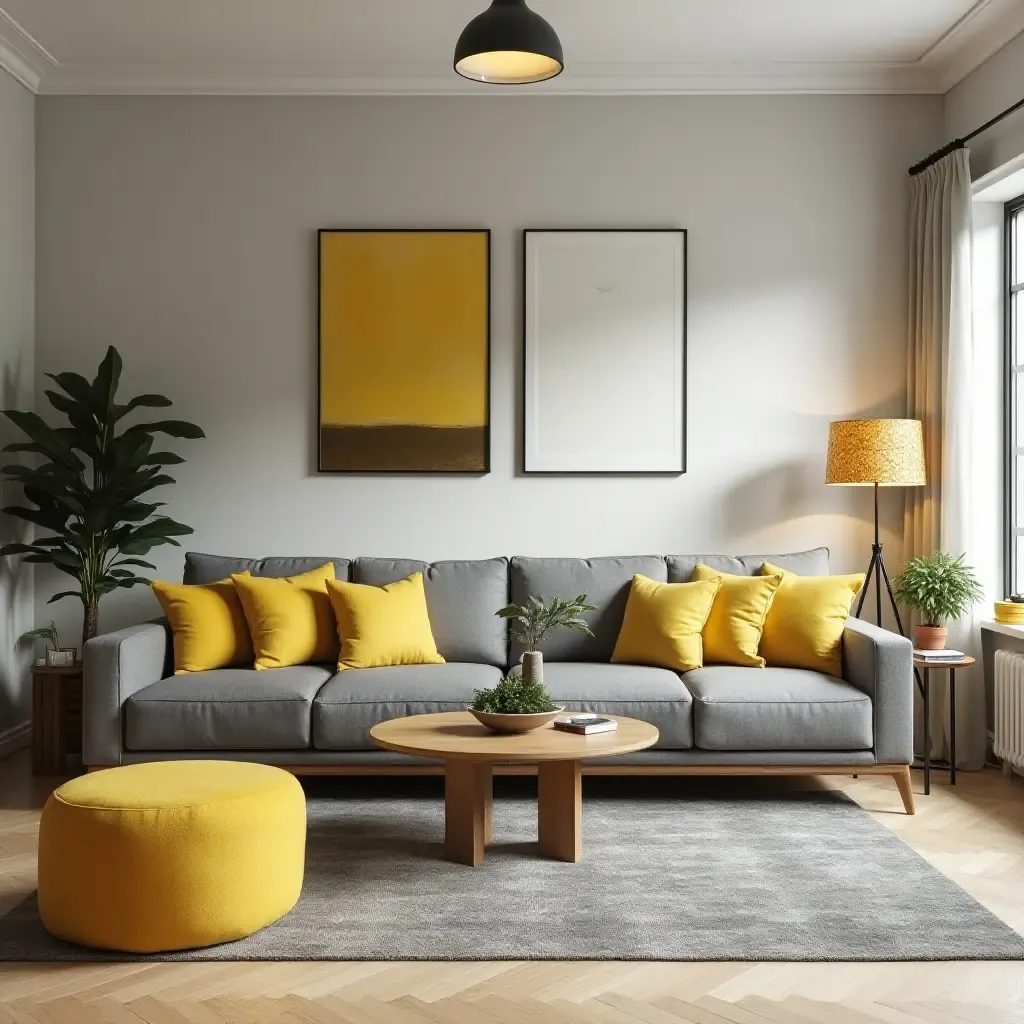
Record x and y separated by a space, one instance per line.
1005 628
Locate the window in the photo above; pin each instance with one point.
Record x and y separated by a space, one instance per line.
1014 406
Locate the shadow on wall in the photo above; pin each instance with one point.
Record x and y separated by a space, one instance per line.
16 610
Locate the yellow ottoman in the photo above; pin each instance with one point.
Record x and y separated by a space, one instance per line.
171 855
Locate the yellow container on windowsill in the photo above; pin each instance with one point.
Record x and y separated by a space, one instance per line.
1010 612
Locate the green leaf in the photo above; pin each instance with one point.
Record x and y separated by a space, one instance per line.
175 428
140 401
63 594
104 387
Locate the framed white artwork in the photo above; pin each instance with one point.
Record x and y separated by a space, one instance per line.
604 351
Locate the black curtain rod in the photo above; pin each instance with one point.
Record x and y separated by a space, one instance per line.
952 147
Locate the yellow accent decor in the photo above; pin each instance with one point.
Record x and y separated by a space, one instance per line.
663 623
889 453
805 623
1010 612
290 619
170 855
733 631
208 624
380 626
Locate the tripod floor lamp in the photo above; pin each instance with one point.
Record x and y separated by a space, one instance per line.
876 453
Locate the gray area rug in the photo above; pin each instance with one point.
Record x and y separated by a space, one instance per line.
673 869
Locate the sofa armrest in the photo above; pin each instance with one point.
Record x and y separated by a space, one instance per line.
115 666
881 664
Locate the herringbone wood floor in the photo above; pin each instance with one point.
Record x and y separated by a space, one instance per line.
974 833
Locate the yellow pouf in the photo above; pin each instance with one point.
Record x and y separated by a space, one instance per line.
171 855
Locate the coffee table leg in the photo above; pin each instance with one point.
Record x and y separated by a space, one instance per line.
560 809
467 810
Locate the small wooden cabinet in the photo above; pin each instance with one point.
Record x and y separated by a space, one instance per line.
56 720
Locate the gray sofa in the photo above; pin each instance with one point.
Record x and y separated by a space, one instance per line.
716 719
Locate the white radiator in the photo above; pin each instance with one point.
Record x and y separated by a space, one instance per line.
1009 700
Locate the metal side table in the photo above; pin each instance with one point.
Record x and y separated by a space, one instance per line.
923 670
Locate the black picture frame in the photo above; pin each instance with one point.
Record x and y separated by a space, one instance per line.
321 233
684 392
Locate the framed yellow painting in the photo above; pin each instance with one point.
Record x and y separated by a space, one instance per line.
404 351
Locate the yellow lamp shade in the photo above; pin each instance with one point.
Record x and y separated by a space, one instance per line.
889 453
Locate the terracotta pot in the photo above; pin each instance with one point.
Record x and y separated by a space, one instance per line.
930 638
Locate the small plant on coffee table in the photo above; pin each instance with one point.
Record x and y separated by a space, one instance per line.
530 623
514 696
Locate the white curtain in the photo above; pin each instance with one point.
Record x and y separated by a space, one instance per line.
940 384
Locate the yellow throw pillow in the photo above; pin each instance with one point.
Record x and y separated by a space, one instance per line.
805 623
380 626
662 624
733 631
208 624
290 619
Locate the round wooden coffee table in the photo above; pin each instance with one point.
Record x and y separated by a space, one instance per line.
470 751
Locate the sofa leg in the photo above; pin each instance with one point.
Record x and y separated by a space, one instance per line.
902 778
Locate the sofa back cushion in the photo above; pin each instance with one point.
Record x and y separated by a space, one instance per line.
804 563
605 581
200 568
462 598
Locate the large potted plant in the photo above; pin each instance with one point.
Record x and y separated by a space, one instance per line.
941 588
85 493
530 623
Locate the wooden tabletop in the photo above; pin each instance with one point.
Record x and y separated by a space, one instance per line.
457 735
935 663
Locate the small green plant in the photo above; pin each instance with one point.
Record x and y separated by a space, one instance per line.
514 696
941 587
533 621
47 633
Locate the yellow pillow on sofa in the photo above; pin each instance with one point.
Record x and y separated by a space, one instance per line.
805 623
733 631
662 624
208 624
290 618
380 626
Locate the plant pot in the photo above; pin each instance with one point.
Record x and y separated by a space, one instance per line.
533 667
62 657
930 638
515 723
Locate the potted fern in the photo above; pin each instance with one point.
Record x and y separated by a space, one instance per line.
941 588
533 621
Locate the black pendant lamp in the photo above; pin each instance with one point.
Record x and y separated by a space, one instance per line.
508 45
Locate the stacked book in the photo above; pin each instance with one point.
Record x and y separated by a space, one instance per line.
586 725
939 656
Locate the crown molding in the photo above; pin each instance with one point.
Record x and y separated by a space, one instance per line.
21 56
984 29
428 78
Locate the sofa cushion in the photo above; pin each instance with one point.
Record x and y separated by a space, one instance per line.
605 581
777 709
654 695
229 709
462 598
804 563
200 568
357 699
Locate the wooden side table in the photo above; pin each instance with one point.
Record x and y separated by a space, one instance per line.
56 720
923 672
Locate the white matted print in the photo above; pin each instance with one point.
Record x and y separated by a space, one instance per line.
605 351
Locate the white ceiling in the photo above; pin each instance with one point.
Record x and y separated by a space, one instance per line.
405 46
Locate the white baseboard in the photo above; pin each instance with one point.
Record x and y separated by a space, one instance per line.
14 739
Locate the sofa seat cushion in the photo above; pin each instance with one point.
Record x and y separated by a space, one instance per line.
228 709
777 709
654 695
357 699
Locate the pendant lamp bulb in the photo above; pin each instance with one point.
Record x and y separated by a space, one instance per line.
508 44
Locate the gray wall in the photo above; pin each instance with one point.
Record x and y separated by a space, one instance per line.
996 85
183 231
17 319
